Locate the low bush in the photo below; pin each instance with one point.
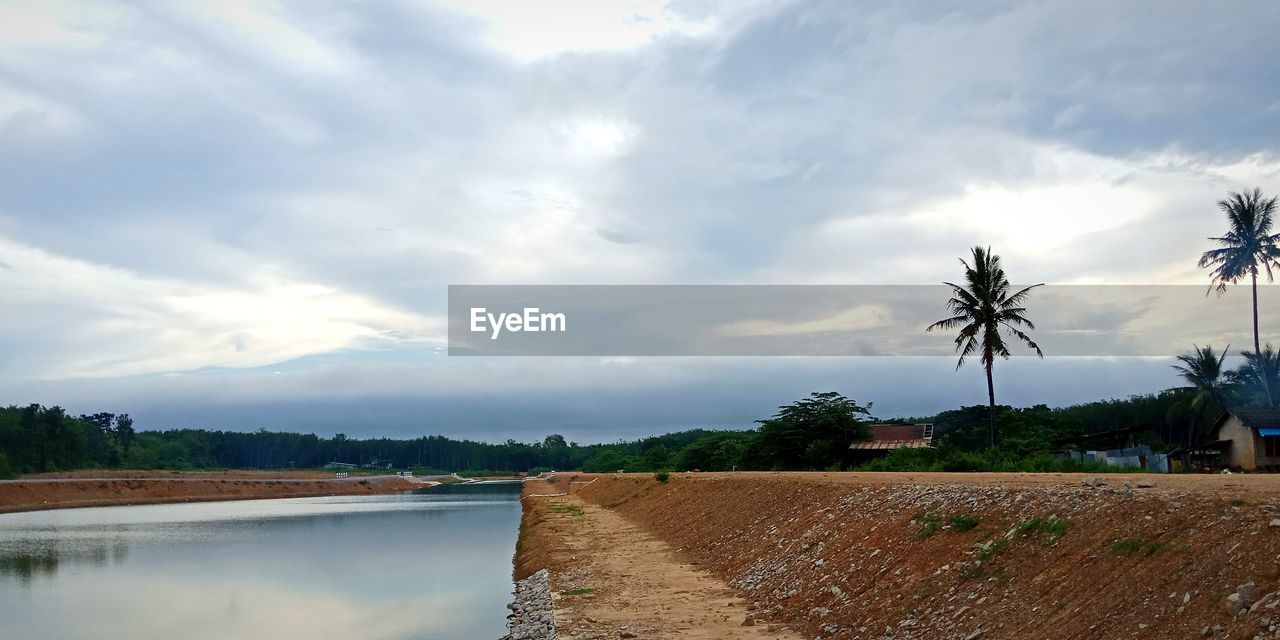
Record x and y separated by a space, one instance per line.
964 522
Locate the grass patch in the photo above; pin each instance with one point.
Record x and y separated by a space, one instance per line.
1125 547
926 525
1049 530
977 568
578 592
992 550
572 510
964 522
1148 548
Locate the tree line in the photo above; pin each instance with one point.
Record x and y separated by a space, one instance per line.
813 433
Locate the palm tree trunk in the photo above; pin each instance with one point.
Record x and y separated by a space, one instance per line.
1257 348
991 403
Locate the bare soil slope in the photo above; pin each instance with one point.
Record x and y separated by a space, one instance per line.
62 493
949 555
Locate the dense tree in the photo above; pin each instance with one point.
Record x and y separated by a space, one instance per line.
1248 245
981 309
814 433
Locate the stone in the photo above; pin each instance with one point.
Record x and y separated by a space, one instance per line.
1234 604
1275 523
1146 484
978 634
749 620
1248 593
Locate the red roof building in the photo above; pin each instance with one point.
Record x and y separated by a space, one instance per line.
886 437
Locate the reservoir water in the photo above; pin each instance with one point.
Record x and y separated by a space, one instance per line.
432 564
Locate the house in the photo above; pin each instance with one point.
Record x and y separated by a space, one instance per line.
1248 437
887 437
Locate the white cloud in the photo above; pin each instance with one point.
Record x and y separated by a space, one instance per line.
83 319
532 30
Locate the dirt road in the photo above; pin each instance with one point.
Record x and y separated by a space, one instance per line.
615 579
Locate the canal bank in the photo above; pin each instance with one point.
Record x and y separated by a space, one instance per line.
905 555
165 487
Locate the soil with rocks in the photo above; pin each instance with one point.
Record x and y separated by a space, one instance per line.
913 555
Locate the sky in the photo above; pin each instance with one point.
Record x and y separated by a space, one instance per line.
246 215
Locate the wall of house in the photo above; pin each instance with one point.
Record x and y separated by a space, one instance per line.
1261 448
1244 443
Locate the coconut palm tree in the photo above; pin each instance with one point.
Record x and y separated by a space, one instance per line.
1248 245
1208 384
1259 374
981 309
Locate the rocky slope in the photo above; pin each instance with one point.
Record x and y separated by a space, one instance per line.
972 556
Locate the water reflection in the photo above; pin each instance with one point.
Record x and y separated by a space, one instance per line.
41 557
426 565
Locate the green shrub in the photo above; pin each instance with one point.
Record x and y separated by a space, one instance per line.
964 522
927 525
662 476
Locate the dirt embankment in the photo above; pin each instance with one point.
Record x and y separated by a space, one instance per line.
62 493
923 555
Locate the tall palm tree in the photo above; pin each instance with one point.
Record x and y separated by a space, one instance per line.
981 308
1249 244
1207 383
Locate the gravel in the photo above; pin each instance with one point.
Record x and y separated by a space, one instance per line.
532 616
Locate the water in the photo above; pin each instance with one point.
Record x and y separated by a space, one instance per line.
433 564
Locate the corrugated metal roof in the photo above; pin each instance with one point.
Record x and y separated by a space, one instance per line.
890 444
1257 417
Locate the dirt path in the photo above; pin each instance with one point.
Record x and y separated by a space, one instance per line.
610 579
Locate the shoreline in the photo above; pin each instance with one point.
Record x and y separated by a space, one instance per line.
40 494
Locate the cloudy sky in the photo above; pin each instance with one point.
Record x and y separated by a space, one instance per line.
246 215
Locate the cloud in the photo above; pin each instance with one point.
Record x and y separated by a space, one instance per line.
83 319
295 184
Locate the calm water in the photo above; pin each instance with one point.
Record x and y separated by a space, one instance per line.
435 564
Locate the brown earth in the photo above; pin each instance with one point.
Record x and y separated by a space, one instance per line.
841 556
263 474
611 578
36 494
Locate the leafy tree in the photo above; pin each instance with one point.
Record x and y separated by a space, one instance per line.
814 433
1208 386
1248 245
980 309
717 452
